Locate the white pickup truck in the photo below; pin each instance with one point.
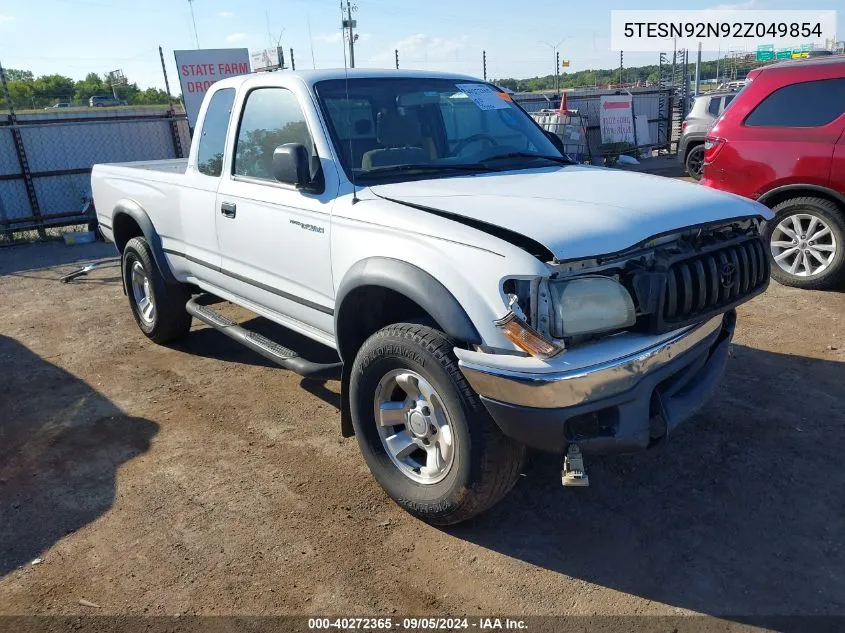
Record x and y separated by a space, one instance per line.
482 292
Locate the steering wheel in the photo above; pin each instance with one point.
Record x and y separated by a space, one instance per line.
475 138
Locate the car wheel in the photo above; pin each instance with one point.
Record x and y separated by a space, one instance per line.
807 243
424 433
695 162
158 307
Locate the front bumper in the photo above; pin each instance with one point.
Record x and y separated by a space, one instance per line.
618 406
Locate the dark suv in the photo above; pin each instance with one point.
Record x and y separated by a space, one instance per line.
782 142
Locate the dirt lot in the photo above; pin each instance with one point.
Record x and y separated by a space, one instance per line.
200 479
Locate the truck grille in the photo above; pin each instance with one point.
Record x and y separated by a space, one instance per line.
713 281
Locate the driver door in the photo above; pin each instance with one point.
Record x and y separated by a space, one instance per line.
274 238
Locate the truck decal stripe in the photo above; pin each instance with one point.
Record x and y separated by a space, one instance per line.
257 284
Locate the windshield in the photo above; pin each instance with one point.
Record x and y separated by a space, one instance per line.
389 128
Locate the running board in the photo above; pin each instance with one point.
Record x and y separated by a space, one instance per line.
270 350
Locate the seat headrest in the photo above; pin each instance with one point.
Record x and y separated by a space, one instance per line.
395 130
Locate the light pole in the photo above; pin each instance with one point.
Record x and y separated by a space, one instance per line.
555 58
194 21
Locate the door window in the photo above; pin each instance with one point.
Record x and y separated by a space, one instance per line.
271 117
806 104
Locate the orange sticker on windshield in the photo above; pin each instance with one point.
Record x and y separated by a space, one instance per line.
505 96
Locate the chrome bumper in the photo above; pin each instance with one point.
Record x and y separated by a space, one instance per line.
578 386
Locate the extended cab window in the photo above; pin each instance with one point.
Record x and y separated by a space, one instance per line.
807 104
213 137
271 117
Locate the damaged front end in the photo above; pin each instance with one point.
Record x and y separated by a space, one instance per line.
673 280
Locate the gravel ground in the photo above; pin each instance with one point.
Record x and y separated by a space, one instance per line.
198 479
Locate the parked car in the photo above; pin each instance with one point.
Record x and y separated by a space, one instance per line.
734 85
102 101
782 143
705 109
481 291
60 104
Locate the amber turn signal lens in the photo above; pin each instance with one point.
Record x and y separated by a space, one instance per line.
526 337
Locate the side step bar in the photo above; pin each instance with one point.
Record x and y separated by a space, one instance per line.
270 350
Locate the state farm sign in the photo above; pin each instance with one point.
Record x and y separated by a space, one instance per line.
198 69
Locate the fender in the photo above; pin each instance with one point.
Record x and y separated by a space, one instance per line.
772 193
137 213
416 284
412 282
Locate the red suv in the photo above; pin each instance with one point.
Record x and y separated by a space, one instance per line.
782 142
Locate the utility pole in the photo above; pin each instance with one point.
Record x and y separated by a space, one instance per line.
349 23
396 55
484 63
698 70
194 22
555 59
620 69
292 62
557 72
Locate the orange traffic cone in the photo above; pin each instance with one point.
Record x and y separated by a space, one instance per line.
563 107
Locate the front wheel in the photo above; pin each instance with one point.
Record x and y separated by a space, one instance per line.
695 162
425 435
807 243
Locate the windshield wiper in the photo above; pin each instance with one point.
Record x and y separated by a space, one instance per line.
563 160
385 169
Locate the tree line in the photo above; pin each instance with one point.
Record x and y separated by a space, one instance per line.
638 74
30 92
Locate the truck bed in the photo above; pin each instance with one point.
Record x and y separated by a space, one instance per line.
156 186
168 165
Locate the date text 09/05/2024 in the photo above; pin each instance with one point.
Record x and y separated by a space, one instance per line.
417 624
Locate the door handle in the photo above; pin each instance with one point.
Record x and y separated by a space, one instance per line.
228 209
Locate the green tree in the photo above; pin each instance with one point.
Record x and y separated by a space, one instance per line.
149 96
49 89
92 85
13 74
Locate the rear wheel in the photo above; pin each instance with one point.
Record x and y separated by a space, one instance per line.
807 243
158 307
695 162
425 435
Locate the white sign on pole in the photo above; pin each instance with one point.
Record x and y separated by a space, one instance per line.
200 68
267 58
615 119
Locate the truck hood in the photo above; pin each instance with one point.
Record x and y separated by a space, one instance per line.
574 211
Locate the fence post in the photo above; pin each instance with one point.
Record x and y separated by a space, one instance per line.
171 114
634 121
22 160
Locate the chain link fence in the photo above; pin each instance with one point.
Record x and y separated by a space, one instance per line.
46 159
656 104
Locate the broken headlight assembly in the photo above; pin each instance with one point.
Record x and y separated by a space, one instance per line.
589 305
572 308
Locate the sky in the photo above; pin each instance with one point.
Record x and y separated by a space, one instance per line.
74 37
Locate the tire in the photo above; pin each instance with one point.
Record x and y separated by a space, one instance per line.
815 213
167 320
694 162
484 464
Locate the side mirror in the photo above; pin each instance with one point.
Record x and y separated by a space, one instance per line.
291 164
556 141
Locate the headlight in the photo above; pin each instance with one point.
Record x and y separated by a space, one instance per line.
588 305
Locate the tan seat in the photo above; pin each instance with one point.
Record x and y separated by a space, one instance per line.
401 138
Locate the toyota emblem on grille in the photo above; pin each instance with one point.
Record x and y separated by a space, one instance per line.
727 274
